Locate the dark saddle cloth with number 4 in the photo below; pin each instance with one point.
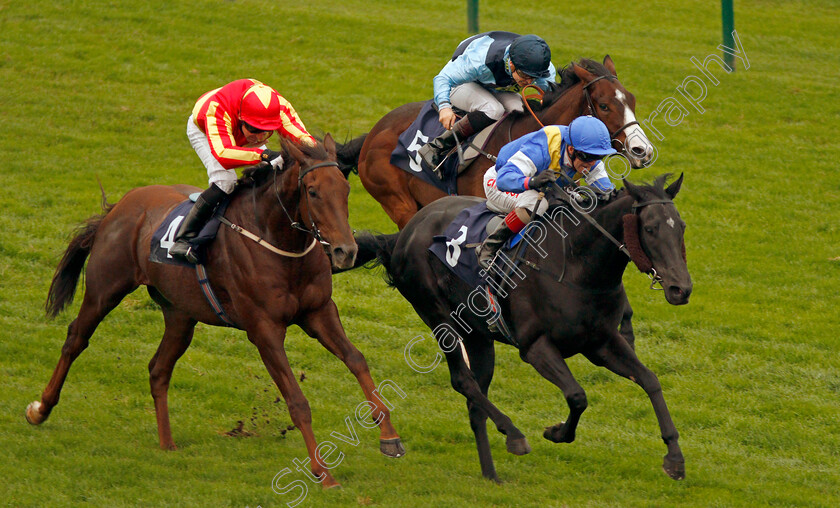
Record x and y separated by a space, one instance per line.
164 235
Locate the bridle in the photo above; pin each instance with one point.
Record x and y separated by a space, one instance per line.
590 106
589 109
651 273
313 228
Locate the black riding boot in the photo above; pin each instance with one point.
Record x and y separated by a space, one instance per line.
491 245
435 150
194 221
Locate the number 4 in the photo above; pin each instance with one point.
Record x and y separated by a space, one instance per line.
168 239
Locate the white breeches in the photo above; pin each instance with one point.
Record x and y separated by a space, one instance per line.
505 202
474 97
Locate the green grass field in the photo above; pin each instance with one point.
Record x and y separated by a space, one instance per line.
750 368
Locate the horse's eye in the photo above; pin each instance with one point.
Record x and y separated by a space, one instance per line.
312 193
603 107
649 229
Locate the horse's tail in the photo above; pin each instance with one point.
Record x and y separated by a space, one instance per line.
348 155
374 250
66 277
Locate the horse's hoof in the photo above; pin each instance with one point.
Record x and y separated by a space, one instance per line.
330 483
674 469
392 447
494 478
518 446
557 434
33 413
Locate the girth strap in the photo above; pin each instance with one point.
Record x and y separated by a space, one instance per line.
204 283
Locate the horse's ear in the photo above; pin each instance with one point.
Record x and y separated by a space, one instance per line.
674 188
292 150
610 65
329 144
633 190
582 73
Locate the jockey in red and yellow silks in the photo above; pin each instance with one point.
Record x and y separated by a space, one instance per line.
219 115
228 129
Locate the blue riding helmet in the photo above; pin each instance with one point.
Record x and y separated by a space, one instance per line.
531 55
589 135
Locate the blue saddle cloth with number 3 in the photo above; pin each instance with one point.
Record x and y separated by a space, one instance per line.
456 246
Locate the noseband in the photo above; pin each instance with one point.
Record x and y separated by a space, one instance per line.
313 228
590 106
632 222
632 246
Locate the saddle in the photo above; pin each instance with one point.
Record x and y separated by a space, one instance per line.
164 236
425 128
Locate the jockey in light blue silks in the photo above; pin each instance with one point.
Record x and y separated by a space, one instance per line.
482 79
530 162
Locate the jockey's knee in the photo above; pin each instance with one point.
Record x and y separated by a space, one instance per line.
494 110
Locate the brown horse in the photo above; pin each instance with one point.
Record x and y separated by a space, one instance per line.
261 291
584 88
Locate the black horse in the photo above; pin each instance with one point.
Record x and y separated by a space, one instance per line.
567 303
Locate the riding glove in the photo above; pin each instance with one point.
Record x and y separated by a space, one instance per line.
272 157
542 179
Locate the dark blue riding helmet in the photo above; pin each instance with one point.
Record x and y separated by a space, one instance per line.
531 55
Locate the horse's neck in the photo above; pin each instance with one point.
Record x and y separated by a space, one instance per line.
259 210
592 259
561 112
565 108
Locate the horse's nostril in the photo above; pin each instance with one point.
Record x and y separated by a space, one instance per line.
638 151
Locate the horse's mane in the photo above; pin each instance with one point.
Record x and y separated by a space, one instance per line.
655 190
261 173
566 79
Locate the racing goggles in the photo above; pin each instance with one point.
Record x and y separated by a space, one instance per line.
587 157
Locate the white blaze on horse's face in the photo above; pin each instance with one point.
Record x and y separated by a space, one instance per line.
670 222
637 148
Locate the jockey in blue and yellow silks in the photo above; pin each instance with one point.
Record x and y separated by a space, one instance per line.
530 162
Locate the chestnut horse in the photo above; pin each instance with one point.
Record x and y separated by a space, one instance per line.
261 291
584 88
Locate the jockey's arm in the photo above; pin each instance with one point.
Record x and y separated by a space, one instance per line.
467 68
514 174
293 127
223 145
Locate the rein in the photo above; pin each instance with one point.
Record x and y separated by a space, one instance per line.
313 230
632 247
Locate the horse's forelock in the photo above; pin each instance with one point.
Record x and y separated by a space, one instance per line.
314 152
